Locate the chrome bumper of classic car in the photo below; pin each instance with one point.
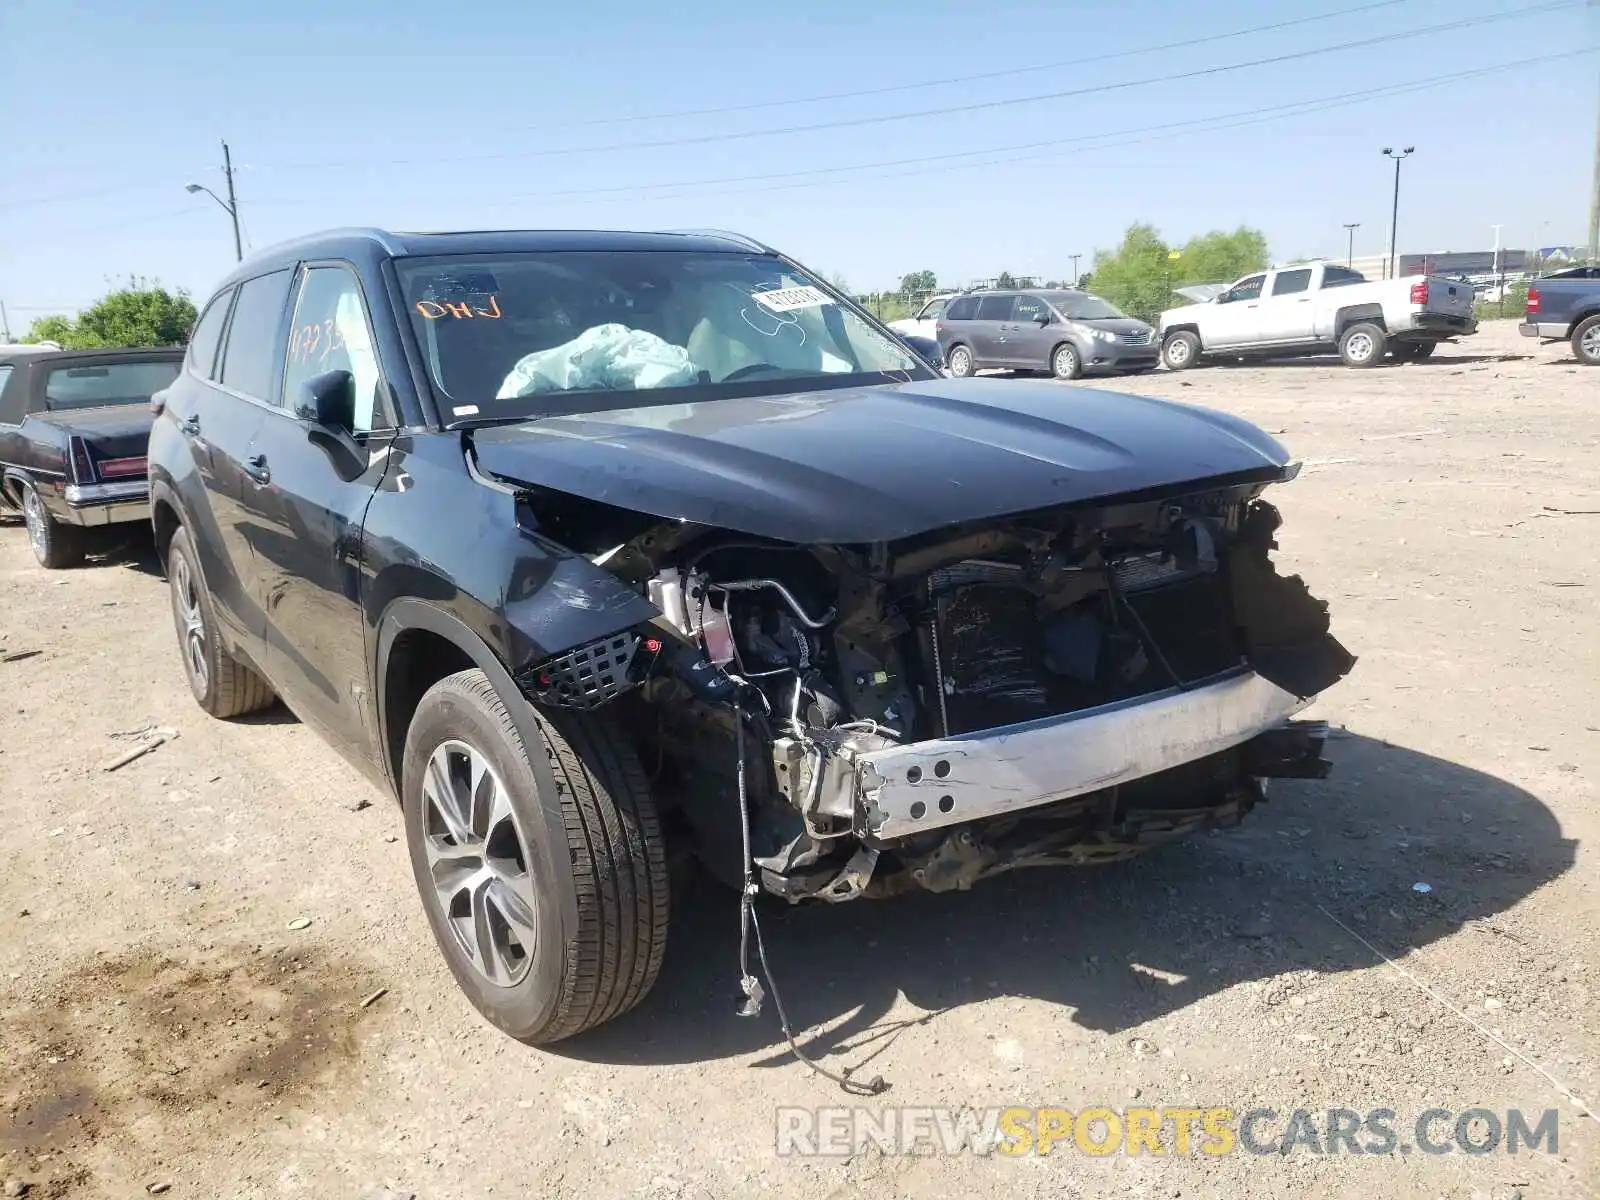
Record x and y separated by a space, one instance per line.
911 789
108 503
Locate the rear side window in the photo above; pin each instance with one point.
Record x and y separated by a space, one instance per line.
994 308
962 309
100 384
10 408
1341 277
1286 283
250 362
207 336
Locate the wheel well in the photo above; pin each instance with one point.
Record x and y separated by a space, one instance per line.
165 519
418 659
1583 316
11 485
1372 314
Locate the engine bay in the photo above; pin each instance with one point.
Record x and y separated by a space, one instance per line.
778 673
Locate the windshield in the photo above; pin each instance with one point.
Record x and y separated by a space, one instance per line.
1081 306
105 384
513 335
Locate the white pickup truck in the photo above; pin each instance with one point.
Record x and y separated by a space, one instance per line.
1315 307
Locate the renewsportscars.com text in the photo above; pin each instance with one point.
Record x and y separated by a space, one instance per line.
1015 1131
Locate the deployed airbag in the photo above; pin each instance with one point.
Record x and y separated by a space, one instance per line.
609 357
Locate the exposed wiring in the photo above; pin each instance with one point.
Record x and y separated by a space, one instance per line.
748 923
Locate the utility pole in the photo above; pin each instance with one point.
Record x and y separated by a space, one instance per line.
233 203
1350 227
5 323
230 205
1394 216
1594 201
1076 257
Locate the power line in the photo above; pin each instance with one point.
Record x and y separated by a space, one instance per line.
94 193
1219 121
977 106
890 89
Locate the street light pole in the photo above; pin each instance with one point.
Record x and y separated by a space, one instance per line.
1074 258
230 205
1394 216
1350 227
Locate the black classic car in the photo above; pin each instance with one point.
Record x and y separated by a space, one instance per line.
73 429
585 542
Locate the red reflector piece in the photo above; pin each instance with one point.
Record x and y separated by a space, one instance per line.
122 468
1533 301
1419 293
652 645
82 466
544 679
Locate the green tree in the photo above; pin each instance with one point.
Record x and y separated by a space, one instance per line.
1219 257
919 283
140 314
1004 281
1139 275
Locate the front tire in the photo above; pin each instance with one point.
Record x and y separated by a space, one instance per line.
55 545
545 883
959 362
1586 341
1180 350
220 683
1363 344
1066 362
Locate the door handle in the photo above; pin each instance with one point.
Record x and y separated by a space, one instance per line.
256 467
190 426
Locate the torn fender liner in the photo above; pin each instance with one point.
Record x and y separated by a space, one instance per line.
1285 628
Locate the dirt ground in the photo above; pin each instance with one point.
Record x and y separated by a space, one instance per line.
162 1023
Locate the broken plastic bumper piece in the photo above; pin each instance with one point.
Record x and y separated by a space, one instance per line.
906 790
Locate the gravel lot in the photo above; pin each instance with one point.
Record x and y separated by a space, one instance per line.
161 1023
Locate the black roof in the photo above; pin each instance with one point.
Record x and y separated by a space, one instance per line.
366 245
103 354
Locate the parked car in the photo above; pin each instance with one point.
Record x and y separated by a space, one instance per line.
926 347
572 540
1318 307
1068 333
73 427
1566 306
927 317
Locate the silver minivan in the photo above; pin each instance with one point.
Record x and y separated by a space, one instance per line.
1064 331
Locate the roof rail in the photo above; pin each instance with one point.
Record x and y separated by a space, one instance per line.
745 240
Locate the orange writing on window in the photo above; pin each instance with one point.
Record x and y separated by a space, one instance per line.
432 310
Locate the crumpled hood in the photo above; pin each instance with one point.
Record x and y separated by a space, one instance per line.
877 463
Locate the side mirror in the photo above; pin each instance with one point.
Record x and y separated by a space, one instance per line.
327 403
329 400
1041 318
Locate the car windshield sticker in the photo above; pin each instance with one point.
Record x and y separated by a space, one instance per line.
481 306
791 298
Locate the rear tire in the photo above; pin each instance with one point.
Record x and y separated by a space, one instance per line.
1066 362
1586 341
220 683
55 545
1180 351
959 362
1362 345
548 888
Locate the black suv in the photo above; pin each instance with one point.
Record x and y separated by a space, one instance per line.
582 541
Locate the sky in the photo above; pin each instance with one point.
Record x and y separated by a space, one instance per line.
865 140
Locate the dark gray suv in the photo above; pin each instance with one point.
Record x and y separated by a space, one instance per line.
1063 331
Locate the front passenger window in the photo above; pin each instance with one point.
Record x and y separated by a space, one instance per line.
330 333
1245 289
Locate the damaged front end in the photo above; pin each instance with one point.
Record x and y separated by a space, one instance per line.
1067 686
